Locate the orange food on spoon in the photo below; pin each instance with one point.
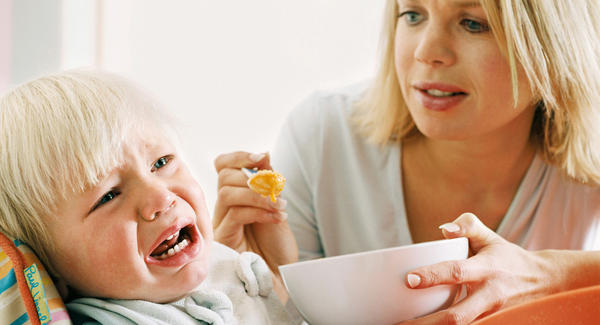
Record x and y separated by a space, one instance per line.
267 183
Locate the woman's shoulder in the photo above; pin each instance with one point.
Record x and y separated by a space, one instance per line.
571 192
547 189
559 178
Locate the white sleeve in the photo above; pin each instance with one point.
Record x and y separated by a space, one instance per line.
297 157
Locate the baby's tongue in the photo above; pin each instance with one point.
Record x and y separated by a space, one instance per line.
165 245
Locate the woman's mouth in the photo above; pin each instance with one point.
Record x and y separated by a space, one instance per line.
439 100
439 93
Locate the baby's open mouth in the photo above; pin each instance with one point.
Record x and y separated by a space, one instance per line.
174 244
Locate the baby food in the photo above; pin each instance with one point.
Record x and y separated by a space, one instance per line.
267 183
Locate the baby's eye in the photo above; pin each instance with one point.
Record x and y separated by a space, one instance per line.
411 17
161 162
106 198
474 26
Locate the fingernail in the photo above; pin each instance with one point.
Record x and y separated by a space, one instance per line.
450 227
282 216
413 280
279 204
257 156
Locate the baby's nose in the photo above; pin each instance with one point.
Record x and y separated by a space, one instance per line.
156 203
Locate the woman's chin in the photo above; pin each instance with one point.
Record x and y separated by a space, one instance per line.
443 133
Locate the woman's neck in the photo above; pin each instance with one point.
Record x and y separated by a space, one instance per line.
487 162
481 174
481 164
443 179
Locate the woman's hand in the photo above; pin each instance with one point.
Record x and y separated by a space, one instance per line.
499 274
246 221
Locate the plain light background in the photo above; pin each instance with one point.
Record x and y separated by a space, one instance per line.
230 70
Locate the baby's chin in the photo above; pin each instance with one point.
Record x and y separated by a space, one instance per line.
186 281
157 284
173 295
162 289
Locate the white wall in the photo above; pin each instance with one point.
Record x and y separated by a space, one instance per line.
229 69
34 45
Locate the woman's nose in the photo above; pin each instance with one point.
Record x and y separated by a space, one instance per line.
155 200
434 47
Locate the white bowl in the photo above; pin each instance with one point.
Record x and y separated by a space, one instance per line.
369 287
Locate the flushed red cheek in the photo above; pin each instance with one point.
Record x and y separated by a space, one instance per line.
110 248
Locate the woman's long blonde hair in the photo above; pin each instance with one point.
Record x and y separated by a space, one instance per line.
557 42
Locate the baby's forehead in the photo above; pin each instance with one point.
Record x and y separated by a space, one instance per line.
134 148
147 147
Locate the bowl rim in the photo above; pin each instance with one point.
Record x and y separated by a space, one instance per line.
382 250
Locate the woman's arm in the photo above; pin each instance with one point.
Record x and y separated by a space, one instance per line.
573 269
279 288
501 274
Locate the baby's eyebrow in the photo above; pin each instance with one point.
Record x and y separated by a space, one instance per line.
96 185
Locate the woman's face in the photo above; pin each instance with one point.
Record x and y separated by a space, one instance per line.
452 74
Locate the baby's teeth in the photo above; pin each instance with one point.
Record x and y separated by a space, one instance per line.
179 247
173 235
182 244
174 250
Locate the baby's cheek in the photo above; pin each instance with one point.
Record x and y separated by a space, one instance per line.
194 196
111 248
113 268
205 227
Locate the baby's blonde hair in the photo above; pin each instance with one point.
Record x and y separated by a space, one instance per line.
557 42
59 135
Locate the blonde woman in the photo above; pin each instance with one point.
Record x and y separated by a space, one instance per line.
489 107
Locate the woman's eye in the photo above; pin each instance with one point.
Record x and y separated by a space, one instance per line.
474 26
106 198
161 162
411 17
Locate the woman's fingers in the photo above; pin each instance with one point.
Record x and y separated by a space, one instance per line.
241 159
464 312
246 221
232 177
234 197
499 274
240 216
230 231
450 272
473 269
236 204
468 225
